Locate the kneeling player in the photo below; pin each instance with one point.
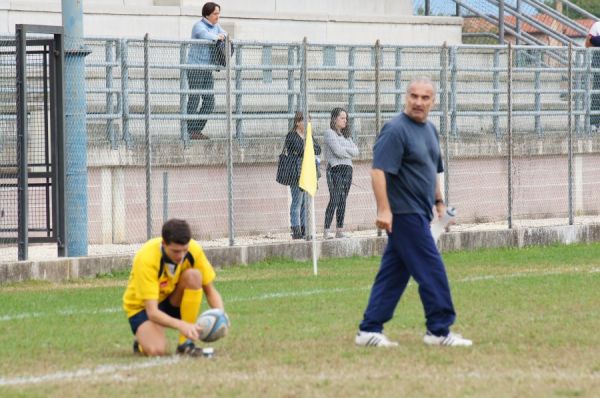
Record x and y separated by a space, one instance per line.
165 289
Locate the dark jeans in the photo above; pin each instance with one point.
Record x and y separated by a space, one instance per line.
200 80
410 251
339 179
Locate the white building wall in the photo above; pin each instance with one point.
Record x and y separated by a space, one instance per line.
321 21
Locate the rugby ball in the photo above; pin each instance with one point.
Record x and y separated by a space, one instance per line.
214 324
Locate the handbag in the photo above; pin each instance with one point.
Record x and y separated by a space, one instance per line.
219 53
287 170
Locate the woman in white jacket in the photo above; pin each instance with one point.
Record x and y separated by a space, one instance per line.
339 151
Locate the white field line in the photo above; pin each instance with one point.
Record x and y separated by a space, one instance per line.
115 369
305 293
81 373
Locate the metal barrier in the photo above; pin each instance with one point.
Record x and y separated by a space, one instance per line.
530 110
114 92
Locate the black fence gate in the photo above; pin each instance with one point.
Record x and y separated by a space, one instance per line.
31 138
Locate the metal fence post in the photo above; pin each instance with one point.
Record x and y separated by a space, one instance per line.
377 97
377 88
228 109
444 126
443 91
302 95
22 150
509 133
290 85
496 94
239 123
398 81
351 86
570 132
110 129
267 59
588 88
309 209
537 95
118 105
183 98
148 138
452 93
125 92
578 97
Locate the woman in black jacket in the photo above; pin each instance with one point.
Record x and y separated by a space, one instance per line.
294 145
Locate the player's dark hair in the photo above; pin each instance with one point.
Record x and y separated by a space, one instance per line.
176 231
334 114
209 8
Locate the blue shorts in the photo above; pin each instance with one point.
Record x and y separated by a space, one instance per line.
141 317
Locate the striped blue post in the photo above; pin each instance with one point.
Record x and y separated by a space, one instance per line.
76 201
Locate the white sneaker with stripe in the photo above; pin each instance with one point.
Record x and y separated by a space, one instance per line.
451 340
373 339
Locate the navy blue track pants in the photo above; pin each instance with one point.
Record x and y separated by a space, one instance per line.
410 251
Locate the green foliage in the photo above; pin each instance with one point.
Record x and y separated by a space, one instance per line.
591 6
533 314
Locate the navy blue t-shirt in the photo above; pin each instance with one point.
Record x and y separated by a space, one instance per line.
409 154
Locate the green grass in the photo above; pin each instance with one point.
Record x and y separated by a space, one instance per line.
532 313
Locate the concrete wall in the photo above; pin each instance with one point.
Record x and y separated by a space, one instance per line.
197 186
327 21
75 268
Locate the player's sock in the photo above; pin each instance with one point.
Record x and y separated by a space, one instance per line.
190 308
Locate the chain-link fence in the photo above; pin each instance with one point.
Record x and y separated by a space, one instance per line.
8 139
28 139
530 110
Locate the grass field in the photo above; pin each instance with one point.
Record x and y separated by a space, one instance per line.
532 313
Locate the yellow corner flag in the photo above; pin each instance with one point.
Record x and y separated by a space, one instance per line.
308 173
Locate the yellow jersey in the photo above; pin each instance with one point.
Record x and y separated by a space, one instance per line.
152 277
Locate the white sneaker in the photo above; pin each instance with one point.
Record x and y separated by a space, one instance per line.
373 339
327 234
452 340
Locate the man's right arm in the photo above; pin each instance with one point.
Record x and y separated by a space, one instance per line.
189 330
384 212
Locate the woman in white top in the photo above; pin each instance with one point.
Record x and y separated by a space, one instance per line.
339 151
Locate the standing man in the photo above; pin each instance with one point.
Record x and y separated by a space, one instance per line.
207 28
165 287
593 40
406 163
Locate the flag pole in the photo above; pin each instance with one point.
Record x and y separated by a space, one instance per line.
313 227
308 173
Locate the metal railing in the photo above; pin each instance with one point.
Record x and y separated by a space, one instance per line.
498 108
121 90
548 21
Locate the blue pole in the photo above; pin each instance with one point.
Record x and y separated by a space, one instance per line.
76 201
